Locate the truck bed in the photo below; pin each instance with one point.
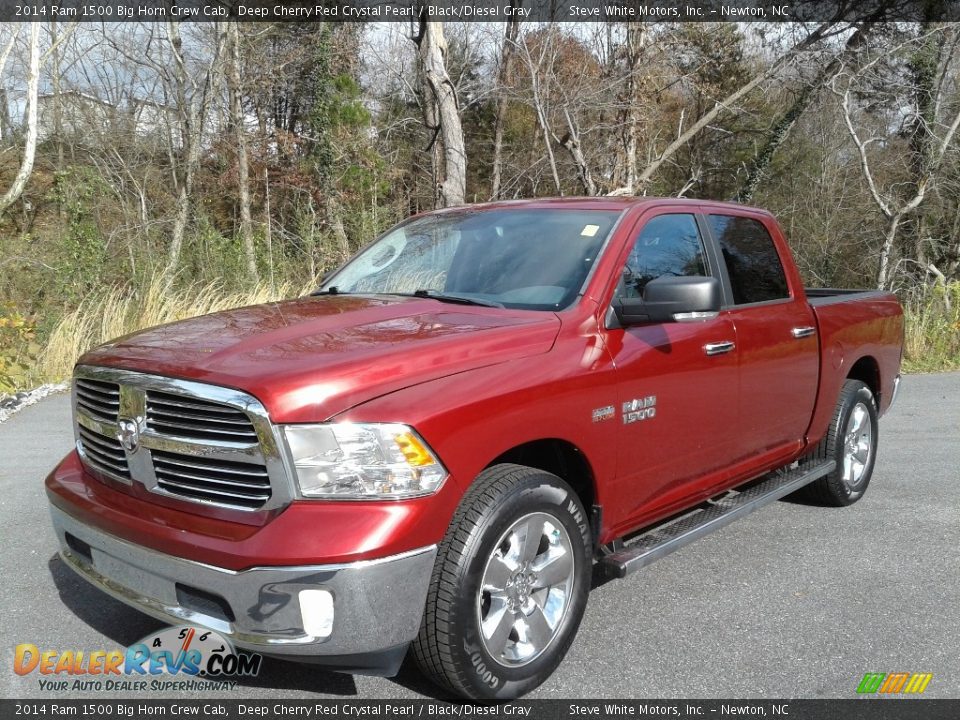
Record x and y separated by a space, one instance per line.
825 296
861 335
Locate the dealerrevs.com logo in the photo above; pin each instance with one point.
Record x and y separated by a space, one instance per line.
178 658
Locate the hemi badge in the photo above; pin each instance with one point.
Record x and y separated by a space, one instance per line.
603 413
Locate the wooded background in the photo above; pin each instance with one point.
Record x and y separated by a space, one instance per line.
149 171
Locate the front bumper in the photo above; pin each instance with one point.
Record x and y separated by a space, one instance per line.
377 604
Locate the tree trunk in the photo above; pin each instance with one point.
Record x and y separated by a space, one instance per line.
439 90
56 99
30 145
192 116
630 106
184 195
431 121
268 225
499 117
334 218
571 141
243 170
5 130
545 132
542 120
883 276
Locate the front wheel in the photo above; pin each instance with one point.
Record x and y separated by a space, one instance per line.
851 441
509 587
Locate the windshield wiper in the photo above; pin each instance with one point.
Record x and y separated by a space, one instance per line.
431 294
458 299
332 290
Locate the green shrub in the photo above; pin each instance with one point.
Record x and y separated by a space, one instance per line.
18 348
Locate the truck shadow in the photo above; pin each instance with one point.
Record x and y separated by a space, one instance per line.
798 498
125 626
598 577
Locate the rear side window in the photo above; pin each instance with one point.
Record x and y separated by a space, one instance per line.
753 265
667 245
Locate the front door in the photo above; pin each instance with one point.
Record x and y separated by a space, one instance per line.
678 382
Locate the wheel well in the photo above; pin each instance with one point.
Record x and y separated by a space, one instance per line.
867 371
559 457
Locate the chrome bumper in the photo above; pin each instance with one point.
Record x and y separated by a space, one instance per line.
377 604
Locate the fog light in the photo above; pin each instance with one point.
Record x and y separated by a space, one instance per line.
316 609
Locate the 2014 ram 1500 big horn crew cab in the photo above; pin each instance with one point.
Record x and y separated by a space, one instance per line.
431 451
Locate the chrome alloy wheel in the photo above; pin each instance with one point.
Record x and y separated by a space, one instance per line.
525 591
857 445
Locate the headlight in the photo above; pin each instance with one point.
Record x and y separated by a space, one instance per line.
346 460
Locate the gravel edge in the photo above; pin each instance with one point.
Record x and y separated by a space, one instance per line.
10 405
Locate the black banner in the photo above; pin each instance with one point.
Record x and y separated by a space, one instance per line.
855 709
480 11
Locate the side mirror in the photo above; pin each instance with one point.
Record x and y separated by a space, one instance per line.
671 299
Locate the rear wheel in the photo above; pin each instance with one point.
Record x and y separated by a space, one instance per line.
509 586
851 441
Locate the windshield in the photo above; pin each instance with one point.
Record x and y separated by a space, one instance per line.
518 258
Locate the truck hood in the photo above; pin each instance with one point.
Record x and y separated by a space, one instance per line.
309 359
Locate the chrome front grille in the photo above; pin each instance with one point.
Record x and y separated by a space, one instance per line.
104 453
185 440
242 484
192 418
99 399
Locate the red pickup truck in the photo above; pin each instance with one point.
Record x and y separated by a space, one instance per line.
432 451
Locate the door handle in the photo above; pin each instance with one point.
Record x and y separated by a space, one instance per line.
802 332
719 348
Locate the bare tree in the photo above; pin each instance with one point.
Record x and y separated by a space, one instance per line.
192 103
243 171
537 72
571 141
631 103
500 101
442 115
893 206
5 130
685 136
725 104
780 130
30 142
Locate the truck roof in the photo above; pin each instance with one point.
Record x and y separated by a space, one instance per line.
602 203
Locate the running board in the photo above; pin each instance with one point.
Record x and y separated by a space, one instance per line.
715 514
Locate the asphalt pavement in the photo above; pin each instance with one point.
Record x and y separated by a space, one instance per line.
795 601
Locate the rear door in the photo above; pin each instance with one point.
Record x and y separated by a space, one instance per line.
677 381
777 343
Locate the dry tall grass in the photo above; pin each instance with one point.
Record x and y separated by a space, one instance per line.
932 341
121 311
932 335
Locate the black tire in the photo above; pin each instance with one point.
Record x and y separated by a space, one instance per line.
839 488
450 649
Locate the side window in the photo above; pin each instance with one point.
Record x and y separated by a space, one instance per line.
753 264
667 245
